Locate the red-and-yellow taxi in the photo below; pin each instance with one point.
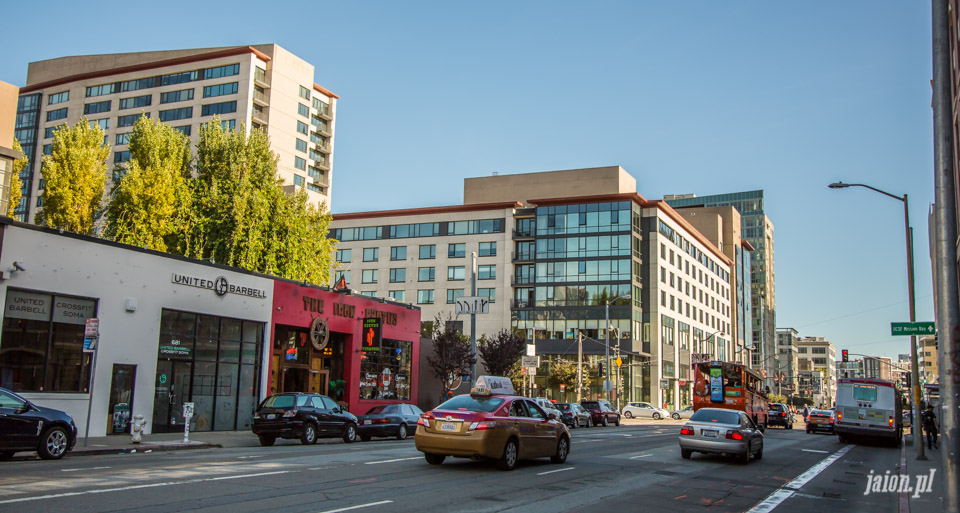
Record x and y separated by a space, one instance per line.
491 422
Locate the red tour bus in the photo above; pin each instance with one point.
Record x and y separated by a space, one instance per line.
732 386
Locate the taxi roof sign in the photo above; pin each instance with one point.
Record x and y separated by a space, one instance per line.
493 385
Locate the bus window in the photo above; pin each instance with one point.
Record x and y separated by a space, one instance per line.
867 393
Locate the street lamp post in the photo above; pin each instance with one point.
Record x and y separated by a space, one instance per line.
915 372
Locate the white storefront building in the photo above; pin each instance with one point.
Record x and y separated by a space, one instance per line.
171 330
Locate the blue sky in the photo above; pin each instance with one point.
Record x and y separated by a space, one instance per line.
703 97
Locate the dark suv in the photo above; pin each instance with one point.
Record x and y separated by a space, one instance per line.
601 413
779 414
24 426
304 416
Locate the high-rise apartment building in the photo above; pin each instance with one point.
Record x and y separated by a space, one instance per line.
551 260
817 359
786 367
260 86
757 229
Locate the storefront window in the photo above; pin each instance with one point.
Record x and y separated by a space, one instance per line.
41 349
386 375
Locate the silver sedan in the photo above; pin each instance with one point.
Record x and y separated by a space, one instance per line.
720 431
685 413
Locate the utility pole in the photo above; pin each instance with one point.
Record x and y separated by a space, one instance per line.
947 295
473 318
579 366
606 335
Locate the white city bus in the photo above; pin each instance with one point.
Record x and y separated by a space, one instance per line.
869 408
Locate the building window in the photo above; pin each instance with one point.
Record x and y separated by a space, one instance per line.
314 188
426 274
185 130
344 255
398 253
56 98
134 102
456 250
47 150
487 272
220 90
123 138
398 295
453 294
101 90
102 123
425 297
488 293
455 273
175 114
54 115
398 275
300 163
137 84
218 108
488 249
228 125
48 132
304 93
43 342
298 180
303 110
371 254
96 107
303 128
428 252
301 145
386 374
130 119
120 157
368 276
176 96
221 71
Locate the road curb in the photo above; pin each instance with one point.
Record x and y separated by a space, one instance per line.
142 448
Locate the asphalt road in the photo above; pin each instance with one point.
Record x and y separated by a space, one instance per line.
625 468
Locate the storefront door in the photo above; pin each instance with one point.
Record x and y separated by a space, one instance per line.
295 380
173 389
121 397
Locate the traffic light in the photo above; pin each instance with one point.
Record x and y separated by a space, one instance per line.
600 371
846 356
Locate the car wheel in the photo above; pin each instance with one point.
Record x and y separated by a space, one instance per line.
604 423
628 414
576 423
267 441
510 453
589 421
676 416
745 458
563 449
434 459
6 455
656 416
617 422
685 453
309 436
402 432
53 444
349 433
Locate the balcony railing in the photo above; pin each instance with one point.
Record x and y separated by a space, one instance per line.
260 75
520 303
261 116
523 256
261 97
522 233
522 280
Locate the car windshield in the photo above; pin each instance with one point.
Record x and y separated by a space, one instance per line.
472 403
280 401
718 416
564 406
825 413
593 405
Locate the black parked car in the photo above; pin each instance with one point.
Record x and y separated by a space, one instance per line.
779 414
304 416
399 420
24 426
601 412
574 415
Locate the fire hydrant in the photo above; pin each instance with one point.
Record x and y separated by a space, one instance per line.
137 428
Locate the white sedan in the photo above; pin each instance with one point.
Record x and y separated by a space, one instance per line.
685 413
644 410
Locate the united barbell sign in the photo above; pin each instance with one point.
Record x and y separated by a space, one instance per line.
219 285
473 305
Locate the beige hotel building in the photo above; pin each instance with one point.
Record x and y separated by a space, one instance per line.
259 86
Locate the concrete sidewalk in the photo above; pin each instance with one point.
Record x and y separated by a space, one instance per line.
116 444
931 498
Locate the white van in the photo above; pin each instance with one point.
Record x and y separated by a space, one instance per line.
869 408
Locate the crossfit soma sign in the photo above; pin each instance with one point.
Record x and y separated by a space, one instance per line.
220 286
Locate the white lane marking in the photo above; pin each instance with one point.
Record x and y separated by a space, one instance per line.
585 441
249 457
391 461
641 456
137 487
814 450
356 507
786 491
558 470
79 469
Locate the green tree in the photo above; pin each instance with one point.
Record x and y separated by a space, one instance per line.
500 353
75 176
150 203
451 353
564 373
15 184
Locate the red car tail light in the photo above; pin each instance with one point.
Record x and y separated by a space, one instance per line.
290 413
380 421
686 431
487 424
424 420
733 435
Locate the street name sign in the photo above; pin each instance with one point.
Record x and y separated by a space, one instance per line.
913 328
473 305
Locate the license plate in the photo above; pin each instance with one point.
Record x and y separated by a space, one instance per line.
708 434
367 422
818 421
448 426
270 416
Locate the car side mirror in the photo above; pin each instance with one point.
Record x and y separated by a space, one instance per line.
24 408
